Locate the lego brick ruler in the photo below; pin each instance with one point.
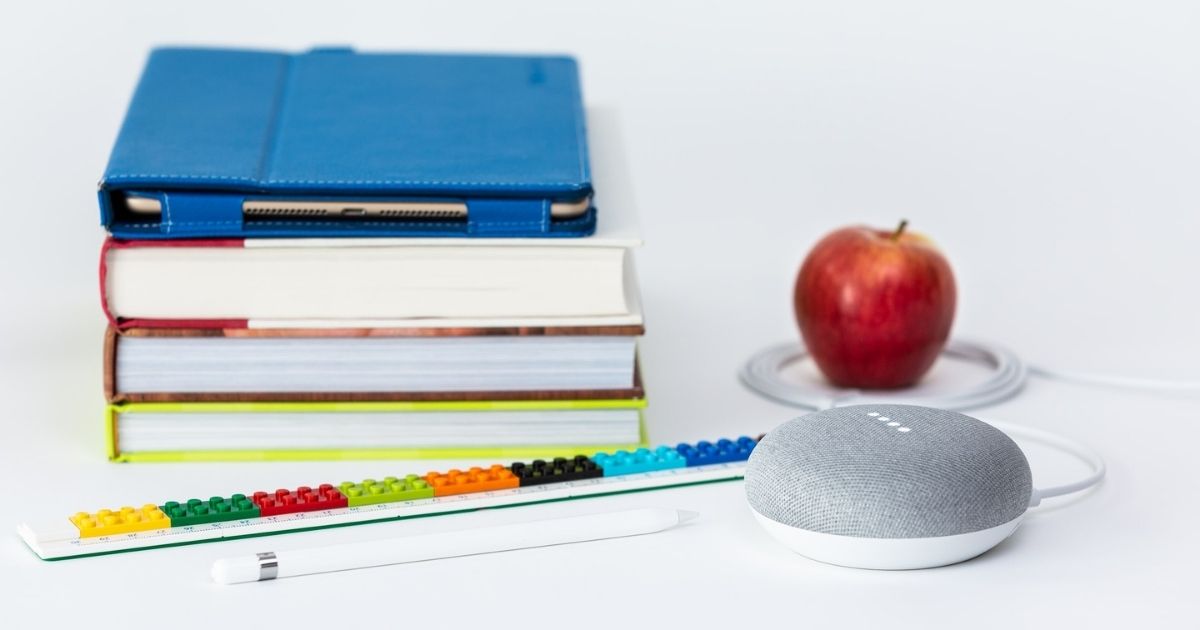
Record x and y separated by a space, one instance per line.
261 513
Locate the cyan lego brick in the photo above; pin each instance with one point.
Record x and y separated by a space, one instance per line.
557 470
639 461
216 509
706 453
390 489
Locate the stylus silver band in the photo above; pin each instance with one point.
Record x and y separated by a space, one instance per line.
268 566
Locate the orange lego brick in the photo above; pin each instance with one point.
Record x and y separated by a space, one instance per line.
474 480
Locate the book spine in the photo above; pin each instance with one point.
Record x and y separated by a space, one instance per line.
110 365
121 323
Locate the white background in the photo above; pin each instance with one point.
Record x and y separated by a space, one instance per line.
1052 149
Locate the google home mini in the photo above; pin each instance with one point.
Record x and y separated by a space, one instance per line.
888 486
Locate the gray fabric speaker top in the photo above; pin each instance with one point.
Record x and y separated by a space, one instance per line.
888 471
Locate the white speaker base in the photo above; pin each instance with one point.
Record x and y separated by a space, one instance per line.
887 553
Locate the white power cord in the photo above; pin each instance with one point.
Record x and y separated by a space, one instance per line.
1115 381
763 374
1087 455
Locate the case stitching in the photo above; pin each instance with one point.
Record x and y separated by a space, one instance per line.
206 223
566 223
406 182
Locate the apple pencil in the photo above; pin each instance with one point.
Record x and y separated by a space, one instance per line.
560 531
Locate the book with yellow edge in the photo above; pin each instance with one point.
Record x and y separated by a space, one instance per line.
265 431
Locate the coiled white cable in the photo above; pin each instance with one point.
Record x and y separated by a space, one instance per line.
763 374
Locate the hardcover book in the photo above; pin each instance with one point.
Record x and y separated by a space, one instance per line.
231 283
142 432
273 365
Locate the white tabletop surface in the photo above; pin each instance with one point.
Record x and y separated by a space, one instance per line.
1052 149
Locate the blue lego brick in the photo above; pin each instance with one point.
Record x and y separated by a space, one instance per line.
639 461
705 453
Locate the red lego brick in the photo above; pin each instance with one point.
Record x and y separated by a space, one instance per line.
302 499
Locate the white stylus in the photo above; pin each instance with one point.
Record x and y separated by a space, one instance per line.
560 531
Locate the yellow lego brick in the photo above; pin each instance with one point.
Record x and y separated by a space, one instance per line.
122 521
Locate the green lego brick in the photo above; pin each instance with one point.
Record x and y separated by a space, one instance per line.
216 509
390 489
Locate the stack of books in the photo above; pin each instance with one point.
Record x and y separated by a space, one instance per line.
336 255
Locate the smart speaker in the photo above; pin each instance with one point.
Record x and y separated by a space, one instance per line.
888 486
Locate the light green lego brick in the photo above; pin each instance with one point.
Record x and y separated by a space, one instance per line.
389 490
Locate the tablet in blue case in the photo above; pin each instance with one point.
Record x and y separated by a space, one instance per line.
210 129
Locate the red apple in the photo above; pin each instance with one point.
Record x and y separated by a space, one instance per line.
874 306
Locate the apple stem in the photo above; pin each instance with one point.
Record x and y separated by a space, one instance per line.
899 229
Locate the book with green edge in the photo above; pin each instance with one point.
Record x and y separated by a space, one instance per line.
296 431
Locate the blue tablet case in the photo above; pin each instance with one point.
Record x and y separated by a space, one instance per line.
209 128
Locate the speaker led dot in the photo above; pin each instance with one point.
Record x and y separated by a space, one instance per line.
884 419
904 429
893 424
873 414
